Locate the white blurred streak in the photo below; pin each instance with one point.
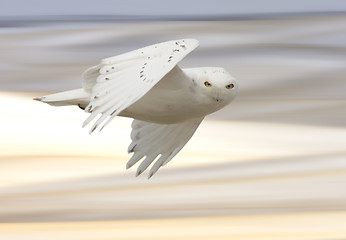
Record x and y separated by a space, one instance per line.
39 130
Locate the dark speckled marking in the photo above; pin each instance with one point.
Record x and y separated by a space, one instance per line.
80 106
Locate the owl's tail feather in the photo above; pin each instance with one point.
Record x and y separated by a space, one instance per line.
77 97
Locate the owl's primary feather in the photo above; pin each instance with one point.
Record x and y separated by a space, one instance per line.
151 140
168 103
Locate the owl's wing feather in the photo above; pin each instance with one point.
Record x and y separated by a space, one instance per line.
118 82
151 140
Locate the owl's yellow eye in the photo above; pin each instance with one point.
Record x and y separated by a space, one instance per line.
207 84
230 86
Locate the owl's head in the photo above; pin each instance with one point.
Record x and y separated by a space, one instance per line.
217 86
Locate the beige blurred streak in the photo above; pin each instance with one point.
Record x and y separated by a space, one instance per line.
319 226
272 165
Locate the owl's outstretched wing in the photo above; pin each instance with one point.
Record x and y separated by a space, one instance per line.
118 82
151 140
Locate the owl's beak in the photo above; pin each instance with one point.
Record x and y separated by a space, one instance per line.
217 98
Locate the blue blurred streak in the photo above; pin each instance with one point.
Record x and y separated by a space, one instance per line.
157 7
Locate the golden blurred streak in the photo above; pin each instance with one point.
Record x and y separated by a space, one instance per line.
198 182
313 226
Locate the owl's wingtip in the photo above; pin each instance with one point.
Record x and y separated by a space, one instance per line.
191 40
150 175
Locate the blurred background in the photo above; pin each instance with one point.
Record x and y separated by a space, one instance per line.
271 165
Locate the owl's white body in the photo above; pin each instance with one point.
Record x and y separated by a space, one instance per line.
168 103
176 98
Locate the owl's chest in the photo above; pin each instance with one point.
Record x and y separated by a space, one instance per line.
161 107
166 106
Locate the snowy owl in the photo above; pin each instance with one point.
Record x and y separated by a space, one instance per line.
166 102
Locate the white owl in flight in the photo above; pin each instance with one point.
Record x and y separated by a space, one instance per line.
166 102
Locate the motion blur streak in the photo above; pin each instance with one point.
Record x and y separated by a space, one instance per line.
249 227
272 165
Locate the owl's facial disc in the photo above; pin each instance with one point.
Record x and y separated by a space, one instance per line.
219 85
